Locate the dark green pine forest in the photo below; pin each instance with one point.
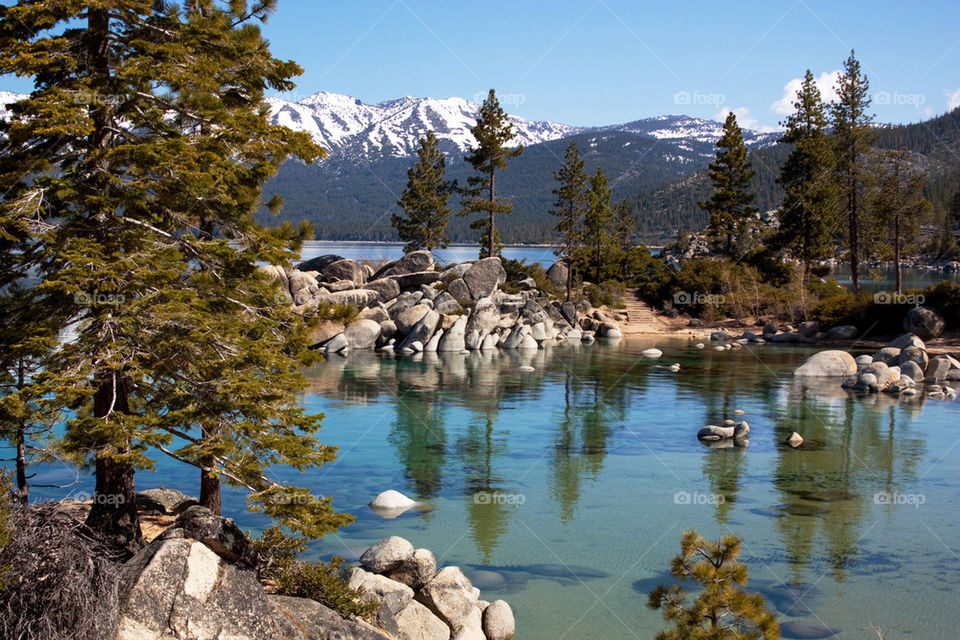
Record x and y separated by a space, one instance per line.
663 180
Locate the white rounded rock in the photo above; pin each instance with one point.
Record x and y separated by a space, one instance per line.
498 622
651 353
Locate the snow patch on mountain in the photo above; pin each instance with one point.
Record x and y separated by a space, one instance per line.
676 127
7 98
350 128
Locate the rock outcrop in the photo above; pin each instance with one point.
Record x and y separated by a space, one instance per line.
198 581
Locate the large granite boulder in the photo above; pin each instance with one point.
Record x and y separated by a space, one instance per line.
407 319
303 287
418 279
446 304
459 290
925 322
907 340
319 263
484 276
557 274
386 287
221 535
498 622
389 553
887 355
165 501
415 571
451 597
376 313
360 298
309 620
362 334
481 321
422 331
410 263
416 622
325 330
180 588
454 338
828 364
840 332
394 595
404 301
937 369
345 269
276 275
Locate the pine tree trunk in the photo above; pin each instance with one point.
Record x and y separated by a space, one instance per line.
896 254
569 279
491 241
210 483
854 240
896 225
114 509
22 492
210 492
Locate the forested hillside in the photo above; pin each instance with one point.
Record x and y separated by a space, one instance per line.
662 178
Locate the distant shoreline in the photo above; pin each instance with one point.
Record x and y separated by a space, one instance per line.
452 244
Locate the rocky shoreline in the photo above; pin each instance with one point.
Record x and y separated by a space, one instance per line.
901 369
410 305
198 578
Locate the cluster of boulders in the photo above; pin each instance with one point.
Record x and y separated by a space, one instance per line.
198 579
731 433
410 305
804 333
903 367
419 602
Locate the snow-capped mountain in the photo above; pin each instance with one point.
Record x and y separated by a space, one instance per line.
683 127
352 130
347 127
8 97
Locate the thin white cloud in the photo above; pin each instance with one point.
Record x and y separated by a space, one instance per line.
953 99
826 83
744 119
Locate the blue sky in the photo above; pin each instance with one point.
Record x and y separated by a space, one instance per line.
609 61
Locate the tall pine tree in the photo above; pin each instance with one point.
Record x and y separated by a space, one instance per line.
853 137
596 224
492 132
731 205
132 173
424 201
623 226
898 203
569 209
807 218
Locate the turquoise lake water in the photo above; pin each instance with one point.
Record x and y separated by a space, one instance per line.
592 461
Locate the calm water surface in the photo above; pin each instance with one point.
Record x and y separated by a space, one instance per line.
593 462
